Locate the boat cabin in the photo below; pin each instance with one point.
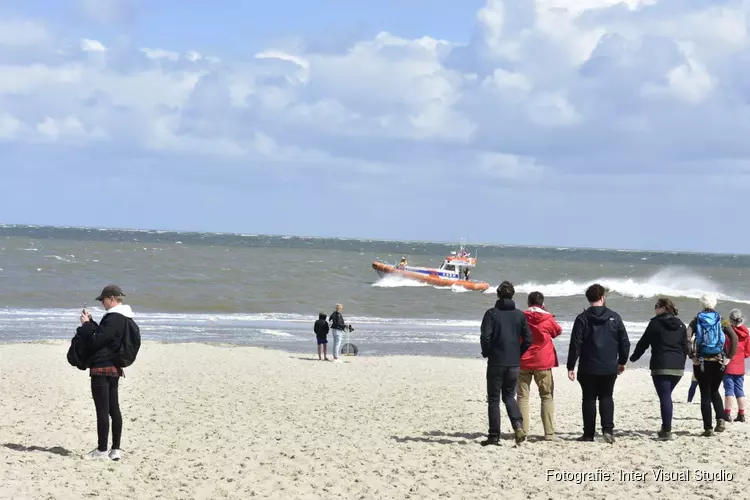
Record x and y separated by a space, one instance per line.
460 262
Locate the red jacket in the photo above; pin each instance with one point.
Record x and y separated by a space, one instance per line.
542 354
737 365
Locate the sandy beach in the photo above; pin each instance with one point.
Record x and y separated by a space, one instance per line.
217 421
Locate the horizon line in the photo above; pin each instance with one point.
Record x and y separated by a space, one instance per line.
380 240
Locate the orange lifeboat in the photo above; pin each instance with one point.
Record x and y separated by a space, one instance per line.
428 275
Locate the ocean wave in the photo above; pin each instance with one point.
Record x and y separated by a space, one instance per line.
178 320
671 282
395 281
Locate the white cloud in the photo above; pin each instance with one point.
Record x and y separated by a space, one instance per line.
509 167
92 46
553 84
9 126
23 33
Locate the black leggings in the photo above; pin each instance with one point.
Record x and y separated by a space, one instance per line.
664 385
104 391
709 381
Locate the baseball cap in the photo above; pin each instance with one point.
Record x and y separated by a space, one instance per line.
111 291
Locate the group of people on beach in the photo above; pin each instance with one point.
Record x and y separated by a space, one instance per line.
519 348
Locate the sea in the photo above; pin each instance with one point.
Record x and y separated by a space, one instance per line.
267 291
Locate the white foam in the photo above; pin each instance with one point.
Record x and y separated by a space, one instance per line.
276 333
670 282
396 281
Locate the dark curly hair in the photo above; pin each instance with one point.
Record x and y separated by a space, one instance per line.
506 290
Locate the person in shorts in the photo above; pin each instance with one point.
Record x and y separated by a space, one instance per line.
734 374
321 334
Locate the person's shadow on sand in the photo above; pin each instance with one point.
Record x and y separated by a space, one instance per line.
55 450
441 438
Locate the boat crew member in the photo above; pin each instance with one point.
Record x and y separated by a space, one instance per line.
402 264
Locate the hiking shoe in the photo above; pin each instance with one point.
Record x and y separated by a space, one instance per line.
740 418
586 439
95 455
115 454
720 425
491 440
520 435
708 433
550 437
665 436
608 437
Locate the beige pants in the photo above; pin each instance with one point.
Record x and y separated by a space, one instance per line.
546 385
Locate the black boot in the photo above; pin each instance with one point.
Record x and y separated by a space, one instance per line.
740 417
491 440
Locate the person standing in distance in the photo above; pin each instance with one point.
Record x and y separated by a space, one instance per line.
104 341
337 329
504 338
600 344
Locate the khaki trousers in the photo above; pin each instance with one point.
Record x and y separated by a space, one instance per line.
546 385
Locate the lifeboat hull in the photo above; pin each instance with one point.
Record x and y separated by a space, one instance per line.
432 279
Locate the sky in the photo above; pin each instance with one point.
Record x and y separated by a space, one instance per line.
576 123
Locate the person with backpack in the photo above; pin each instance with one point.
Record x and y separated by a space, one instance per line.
734 375
537 364
112 344
504 338
600 340
667 337
712 345
321 334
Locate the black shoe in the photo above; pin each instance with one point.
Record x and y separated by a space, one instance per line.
665 435
720 425
608 437
740 418
491 440
586 439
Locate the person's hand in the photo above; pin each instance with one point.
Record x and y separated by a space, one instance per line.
725 360
572 375
620 369
85 317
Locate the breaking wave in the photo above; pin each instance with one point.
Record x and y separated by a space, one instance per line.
671 282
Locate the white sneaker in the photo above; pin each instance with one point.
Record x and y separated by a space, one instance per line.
115 454
96 454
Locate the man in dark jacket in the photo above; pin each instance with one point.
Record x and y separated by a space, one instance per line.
505 336
321 334
601 342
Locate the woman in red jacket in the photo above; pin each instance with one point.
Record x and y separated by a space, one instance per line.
734 374
537 363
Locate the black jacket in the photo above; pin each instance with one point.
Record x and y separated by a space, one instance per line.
505 334
104 339
337 321
600 340
321 328
668 339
